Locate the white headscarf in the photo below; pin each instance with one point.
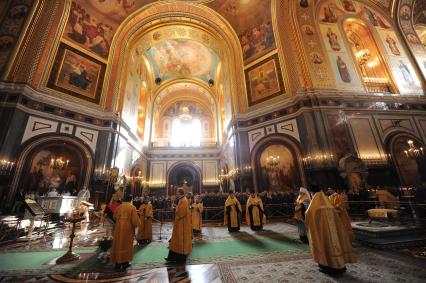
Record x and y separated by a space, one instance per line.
306 192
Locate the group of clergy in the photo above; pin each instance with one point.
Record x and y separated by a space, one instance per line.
322 221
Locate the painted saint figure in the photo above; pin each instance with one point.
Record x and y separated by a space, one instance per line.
392 45
343 70
232 213
145 229
255 212
332 39
330 15
349 6
406 73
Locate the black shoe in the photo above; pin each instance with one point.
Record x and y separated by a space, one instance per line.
126 265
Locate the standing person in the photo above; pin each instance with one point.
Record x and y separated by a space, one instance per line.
254 212
197 210
330 245
337 199
181 241
146 213
126 220
232 213
302 203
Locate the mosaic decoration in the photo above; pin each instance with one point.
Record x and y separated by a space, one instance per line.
77 74
264 81
11 27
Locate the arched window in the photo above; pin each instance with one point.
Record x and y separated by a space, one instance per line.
367 56
186 132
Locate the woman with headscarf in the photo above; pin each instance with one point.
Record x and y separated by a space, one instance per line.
302 203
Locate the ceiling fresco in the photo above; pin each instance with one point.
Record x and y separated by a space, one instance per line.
182 58
252 21
92 24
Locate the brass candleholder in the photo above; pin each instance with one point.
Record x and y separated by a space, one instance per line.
70 255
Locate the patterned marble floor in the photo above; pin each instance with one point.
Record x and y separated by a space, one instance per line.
372 265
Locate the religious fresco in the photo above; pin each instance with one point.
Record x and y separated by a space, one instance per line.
367 57
264 81
278 169
92 24
405 76
349 6
136 84
182 57
77 74
194 109
320 72
11 27
405 14
42 176
252 21
345 75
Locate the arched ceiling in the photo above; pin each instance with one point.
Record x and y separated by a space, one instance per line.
180 52
182 58
184 91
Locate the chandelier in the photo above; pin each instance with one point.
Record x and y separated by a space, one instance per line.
59 163
273 161
413 151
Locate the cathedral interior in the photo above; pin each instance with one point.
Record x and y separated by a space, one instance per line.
144 97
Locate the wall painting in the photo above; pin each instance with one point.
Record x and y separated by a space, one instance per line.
252 21
280 174
77 74
264 81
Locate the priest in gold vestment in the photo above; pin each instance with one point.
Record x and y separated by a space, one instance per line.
145 229
338 201
197 216
181 241
126 220
329 242
255 212
232 213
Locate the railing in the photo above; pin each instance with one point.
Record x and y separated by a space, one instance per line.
215 213
408 211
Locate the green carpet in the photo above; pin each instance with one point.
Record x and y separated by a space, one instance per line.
153 254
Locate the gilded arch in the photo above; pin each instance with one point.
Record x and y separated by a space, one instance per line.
161 14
